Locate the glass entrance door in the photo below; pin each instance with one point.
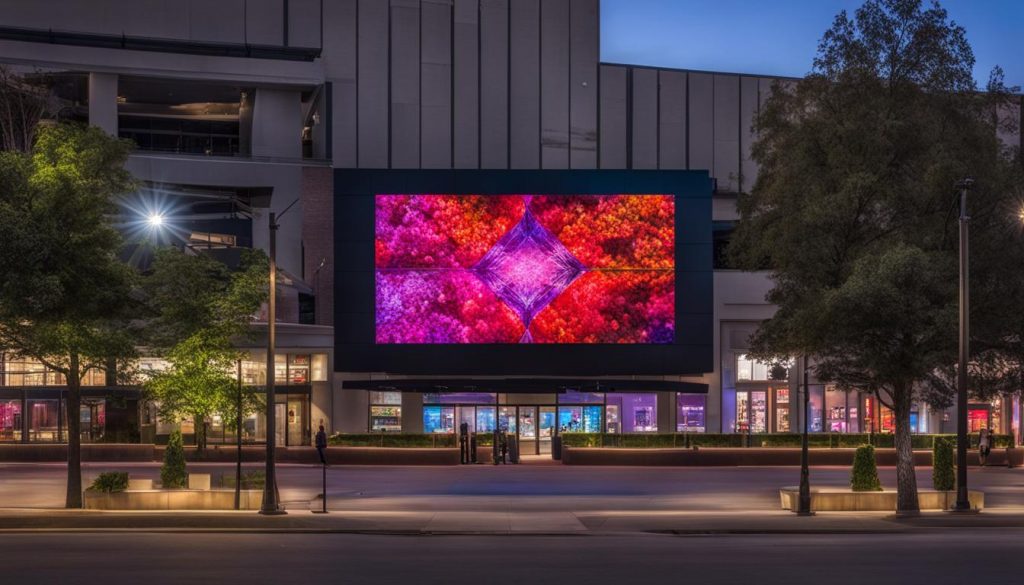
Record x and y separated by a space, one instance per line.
546 429
528 430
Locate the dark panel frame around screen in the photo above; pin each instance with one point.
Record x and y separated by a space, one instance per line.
354 308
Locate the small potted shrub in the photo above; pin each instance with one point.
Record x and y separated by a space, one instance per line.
172 472
943 473
110 482
864 476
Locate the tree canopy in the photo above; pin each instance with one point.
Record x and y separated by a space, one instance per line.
65 299
854 207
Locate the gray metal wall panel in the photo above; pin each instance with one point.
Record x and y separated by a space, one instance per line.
340 67
554 84
764 90
584 55
436 80
645 118
700 113
304 23
373 83
727 132
263 22
613 117
672 120
494 84
749 106
466 126
208 21
524 90
405 84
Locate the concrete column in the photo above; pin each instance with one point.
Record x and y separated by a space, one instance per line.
103 101
277 124
666 412
412 412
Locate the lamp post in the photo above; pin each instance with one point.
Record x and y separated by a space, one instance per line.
804 505
238 436
963 504
270 503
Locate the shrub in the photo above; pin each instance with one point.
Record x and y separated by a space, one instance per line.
172 472
864 476
943 476
110 481
252 479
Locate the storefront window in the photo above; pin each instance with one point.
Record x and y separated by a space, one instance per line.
386 419
10 420
386 398
574 397
298 369
997 415
579 419
816 402
752 411
836 408
438 419
690 409
485 417
977 418
43 425
782 410
507 419
638 413
460 398
748 369
318 370
280 369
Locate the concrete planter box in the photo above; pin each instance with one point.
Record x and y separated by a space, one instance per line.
139 484
846 500
199 481
172 500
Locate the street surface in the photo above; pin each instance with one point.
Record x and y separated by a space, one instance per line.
522 525
958 558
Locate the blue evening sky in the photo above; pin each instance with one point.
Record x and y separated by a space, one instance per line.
780 37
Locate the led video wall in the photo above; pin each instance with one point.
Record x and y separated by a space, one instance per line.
524 269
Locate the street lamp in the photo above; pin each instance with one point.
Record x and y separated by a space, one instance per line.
270 504
963 504
155 220
804 504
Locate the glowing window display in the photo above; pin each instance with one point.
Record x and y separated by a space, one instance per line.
525 269
690 413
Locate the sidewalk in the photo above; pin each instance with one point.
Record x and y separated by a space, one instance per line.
434 522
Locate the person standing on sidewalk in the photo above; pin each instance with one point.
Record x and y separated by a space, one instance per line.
321 444
984 445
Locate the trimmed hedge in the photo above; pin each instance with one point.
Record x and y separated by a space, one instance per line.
943 467
431 440
110 481
664 440
864 475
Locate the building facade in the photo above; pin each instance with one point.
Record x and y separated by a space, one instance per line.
271 101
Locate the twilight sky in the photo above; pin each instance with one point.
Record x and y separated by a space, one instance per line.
780 37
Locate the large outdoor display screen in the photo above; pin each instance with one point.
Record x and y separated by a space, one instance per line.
524 268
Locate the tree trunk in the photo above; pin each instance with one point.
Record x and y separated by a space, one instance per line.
74 405
199 424
906 481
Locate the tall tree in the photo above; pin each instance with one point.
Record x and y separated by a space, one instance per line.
201 310
854 211
65 299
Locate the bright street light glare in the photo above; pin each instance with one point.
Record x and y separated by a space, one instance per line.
155 220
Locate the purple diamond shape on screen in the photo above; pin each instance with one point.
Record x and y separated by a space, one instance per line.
528 268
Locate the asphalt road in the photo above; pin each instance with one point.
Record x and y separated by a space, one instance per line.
954 557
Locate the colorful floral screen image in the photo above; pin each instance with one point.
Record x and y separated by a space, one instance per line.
525 268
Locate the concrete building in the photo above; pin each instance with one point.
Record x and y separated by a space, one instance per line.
269 101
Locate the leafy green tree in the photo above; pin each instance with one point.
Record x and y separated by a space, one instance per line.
201 308
854 211
65 298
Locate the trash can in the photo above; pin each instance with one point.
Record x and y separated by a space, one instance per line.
513 449
556 448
